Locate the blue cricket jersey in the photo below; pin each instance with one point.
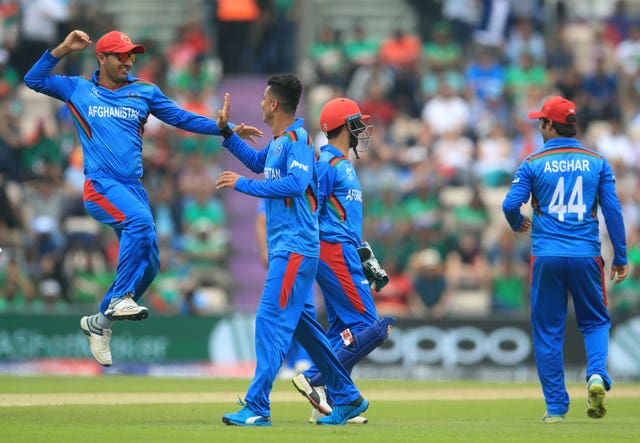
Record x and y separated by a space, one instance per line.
290 188
340 198
110 122
567 182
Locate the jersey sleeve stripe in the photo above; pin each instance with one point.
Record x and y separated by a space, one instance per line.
78 118
312 200
337 207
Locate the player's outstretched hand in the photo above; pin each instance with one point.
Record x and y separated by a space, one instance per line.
247 132
243 131
619 273
227 179
223 114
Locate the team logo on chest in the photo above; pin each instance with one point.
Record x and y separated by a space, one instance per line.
277 149
349 171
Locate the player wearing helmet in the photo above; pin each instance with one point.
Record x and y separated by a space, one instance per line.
347 267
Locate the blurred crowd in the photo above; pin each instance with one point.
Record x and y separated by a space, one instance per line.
448 100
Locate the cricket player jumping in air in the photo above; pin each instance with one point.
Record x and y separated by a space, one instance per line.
567 182
347 266
110 110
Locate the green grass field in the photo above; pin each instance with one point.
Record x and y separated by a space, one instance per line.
140 409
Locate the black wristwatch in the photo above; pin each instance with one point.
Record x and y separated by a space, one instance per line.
226 132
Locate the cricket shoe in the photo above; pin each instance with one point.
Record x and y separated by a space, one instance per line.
99 339
315 394
245 417
124 308
359 420
552 418
596 403
342 413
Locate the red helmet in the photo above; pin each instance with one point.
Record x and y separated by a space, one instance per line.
338 112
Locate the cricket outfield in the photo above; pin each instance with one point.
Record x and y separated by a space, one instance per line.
129 408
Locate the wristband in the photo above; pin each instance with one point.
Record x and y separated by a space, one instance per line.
226 132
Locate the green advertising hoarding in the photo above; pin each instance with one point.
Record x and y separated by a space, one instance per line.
158 339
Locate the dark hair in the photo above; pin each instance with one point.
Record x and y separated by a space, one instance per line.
287 89
566 130
335 132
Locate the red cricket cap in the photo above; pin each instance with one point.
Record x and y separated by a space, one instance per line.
116 41
338 112
556 109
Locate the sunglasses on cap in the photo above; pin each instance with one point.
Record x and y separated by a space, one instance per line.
122 56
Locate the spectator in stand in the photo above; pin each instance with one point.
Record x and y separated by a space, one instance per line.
383 213
447 112
9 24
452 153
167 212
16 290
235 20
569 83
461 14
192 43
485 114
154 70
526 140
428 275
494 164
485 75
508 287
618 24
360 49
406 90
466 264
39 24
327 58
628 59
625 297
9 77
11 143
523 38
11 218
617 147
560 54
364 75
198 74
524 75
600 94
378 176
441 53
396 297
196 175
377 104
401 50
472 216
423 204
277 51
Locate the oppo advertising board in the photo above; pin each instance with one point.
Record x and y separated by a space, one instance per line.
492 348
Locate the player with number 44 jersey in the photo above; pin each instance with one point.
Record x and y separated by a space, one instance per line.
567 183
